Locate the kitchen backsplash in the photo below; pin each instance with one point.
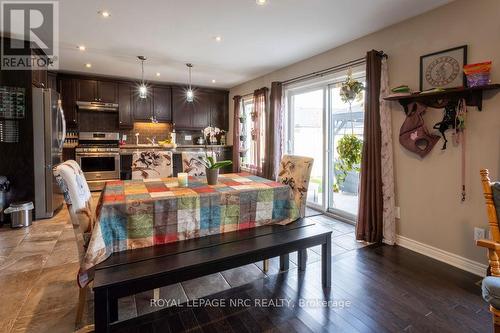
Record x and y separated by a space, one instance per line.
147 130
161 131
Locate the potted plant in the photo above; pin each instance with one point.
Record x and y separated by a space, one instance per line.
212 168
349 149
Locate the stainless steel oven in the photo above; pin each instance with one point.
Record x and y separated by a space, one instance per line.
98 155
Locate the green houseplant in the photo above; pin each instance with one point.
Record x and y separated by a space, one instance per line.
212 168
349 149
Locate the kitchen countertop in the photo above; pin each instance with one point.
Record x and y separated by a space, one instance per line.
130 148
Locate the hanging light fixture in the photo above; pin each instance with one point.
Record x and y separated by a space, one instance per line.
190 93
143 89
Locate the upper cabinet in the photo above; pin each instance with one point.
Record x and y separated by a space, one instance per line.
219 110
52 80
107 92
67 91
162 103
208 108
96 91
125 116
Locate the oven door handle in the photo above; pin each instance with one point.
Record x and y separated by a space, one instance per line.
98 155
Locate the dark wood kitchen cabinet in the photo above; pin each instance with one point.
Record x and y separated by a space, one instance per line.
125 116
52 80
219 113
67 91
194 115
107 91
96 91
143 108
162 103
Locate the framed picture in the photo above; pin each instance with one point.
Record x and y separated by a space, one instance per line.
443 69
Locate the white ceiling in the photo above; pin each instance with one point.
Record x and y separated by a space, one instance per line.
256 39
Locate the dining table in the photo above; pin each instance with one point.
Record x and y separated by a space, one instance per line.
134 214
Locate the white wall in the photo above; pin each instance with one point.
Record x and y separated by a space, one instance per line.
428 190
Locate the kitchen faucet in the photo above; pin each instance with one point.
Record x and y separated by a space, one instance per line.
153 140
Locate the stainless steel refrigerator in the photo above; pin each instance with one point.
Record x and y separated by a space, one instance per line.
49 133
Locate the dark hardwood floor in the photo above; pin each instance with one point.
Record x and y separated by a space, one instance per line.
374 289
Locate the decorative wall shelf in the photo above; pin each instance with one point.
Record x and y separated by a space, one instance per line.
473 97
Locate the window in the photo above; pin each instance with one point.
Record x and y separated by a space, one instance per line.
252 138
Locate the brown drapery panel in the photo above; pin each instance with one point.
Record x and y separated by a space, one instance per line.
259 130
370 218
236 134
274 138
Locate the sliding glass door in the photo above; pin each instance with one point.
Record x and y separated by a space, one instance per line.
346 124
306 137
318 122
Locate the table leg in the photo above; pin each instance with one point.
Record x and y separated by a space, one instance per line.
284 262
302 259
113 310
326 262
101 311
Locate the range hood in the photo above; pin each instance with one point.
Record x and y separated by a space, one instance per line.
97 106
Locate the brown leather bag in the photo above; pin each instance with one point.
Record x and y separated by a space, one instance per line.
413 134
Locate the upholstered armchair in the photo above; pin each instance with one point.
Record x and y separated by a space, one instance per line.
491 284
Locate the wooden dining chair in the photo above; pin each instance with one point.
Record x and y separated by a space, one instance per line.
191 162
491 284
77 196
152 164
295 171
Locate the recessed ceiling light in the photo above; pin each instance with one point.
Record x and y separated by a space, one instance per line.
218 38
213 81
104 13
81 47
158 74
88 65
261 2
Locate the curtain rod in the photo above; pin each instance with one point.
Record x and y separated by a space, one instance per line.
326 71
329 70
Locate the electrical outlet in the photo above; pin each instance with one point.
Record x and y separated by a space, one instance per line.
187 137
479 233
398 212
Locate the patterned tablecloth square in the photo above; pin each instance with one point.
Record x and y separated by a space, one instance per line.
136 213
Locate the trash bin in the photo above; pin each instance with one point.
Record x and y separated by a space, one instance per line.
21 215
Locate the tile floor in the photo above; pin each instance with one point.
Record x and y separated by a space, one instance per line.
38 266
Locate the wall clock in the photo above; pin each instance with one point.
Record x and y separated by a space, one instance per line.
443 69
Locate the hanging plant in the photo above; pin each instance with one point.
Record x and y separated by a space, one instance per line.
351 89
349 149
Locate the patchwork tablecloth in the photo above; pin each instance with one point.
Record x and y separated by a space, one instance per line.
141 213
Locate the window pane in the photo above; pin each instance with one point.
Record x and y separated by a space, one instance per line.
307 134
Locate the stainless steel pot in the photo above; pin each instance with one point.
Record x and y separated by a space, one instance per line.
21 215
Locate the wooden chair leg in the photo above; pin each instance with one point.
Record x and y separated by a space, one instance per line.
156 294
496 319
82 299
265 265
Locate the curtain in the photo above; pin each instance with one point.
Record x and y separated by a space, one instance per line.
236 134
387 166
274 139
370 212
258 131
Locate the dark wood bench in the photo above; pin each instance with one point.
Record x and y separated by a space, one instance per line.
134 271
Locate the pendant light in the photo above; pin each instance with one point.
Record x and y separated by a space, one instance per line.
190 93
143 89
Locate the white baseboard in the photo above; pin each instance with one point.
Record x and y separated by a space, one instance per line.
468 265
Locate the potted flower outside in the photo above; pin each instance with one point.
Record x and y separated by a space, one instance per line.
212 168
